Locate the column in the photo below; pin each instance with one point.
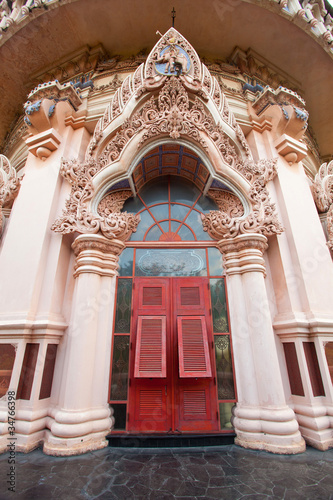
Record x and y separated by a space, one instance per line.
82 418
262 419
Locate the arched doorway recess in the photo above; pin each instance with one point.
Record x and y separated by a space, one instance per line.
172 369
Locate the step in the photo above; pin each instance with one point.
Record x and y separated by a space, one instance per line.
169 441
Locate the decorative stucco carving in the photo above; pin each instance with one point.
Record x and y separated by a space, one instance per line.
40 116
322 187
173 41
233 245
54 91
262 219
322 190
286 109
149 77
113 202
107 248
78 217
227 202
174 115
118 63
9 186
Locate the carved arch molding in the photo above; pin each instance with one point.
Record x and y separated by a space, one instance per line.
173 95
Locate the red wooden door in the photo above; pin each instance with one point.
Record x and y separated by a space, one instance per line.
171 376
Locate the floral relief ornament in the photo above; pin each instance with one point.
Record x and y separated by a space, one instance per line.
77 216
262 219
9 186
171 115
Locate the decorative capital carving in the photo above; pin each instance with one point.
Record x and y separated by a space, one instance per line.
53 91
285 109
244 253
40 111
77 216
96 254
9 186
262 219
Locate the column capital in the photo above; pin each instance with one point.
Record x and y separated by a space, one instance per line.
96 254
46 109
244 253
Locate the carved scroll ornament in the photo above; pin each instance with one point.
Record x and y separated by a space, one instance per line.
77 216
227 202
9 186
113 202
262 219
322 187
322 191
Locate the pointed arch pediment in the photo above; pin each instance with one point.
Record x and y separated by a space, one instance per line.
171 94
172 97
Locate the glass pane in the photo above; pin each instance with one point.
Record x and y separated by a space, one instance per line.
225 416
123 308
155 192
119 378
165 226
119 413
179 211
219 306
182 262
133 205
183 192
175 225
185 234
195 222
126 262
146 221
153 234
160 211
205 204
224 375
215 262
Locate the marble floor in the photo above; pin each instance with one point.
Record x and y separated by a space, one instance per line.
226 472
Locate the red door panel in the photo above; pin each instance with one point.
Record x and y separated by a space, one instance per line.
150 349
191 295
193 349
171 383
195 396
150 370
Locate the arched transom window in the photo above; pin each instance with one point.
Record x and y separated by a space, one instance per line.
170 209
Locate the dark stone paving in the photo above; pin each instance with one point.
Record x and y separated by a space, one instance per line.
227 472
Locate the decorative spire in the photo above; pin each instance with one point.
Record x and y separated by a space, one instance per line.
173 14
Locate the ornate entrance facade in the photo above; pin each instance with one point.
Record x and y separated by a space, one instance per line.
167 286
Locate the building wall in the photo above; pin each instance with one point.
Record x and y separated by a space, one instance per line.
58 261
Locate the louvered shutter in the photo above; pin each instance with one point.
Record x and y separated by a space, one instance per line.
194 360
150 353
